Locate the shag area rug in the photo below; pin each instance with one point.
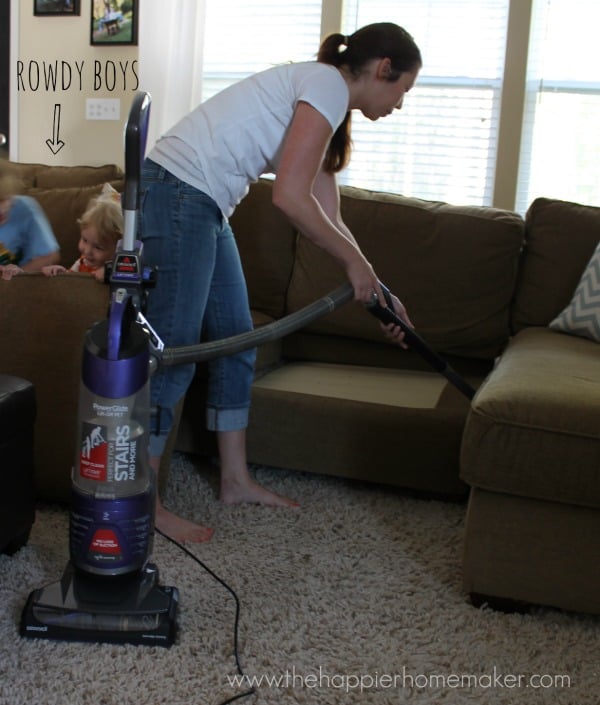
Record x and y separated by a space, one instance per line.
355 597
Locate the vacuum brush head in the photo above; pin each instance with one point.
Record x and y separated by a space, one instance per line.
133 609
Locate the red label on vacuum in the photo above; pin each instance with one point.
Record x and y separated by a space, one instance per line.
109 454
93 457
105 541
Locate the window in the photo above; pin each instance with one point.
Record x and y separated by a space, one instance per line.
442 144
560 154
243 37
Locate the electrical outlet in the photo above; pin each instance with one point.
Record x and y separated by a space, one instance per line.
102 109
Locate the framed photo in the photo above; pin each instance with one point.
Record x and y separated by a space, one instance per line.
114 22
56 7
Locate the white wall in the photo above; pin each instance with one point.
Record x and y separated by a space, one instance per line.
81 71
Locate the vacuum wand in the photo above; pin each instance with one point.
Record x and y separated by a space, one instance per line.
387 315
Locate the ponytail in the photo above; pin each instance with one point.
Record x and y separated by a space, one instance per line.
375 41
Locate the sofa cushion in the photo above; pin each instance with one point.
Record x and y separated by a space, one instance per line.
24 173
380 385
266 242
582 315
453 267
560 239
63 207
397 427
534 426
66 176
33 175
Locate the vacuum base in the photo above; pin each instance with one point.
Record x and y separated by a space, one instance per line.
131 609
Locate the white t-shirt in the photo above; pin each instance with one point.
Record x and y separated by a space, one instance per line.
230 140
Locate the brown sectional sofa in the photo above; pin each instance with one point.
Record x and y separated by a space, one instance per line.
481 286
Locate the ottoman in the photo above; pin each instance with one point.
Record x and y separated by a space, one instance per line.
17 499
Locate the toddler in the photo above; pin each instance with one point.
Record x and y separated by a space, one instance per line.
101 228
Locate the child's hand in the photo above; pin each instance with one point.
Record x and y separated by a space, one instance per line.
51 270
9 271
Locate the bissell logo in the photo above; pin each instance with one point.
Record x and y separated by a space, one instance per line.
127 265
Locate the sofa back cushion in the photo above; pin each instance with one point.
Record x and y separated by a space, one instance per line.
454 267
560 238
266 242
46 176
23 173
66 176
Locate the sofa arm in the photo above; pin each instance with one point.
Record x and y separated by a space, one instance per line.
46 319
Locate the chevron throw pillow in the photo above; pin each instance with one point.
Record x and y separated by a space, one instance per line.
582 315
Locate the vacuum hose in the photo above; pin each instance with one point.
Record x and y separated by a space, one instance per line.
237 343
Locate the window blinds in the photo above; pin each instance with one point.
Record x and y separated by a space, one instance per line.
245 36
442 144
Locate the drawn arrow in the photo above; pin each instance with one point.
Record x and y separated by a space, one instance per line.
55 144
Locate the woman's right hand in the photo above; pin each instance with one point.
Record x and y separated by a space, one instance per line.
364 280
366 285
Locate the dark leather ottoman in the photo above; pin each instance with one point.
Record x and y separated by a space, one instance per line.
17 499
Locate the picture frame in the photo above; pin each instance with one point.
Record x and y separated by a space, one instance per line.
114 22
53 8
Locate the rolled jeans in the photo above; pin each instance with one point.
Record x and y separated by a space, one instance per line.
200 290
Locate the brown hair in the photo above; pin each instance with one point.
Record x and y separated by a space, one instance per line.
374 41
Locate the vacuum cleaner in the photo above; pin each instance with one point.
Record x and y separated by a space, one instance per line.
110 590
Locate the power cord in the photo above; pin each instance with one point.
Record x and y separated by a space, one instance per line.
231 591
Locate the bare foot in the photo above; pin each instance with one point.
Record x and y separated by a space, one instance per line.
237 485
181 529
246 491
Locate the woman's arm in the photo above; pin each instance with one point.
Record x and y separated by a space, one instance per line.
310 198
298 175
327 193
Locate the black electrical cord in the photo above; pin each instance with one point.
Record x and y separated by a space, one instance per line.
251 691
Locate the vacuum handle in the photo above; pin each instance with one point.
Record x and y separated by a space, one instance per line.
387 315
136 132
116 320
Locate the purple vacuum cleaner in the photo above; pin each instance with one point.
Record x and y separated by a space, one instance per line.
109 591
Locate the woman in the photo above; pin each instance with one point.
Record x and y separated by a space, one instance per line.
294 121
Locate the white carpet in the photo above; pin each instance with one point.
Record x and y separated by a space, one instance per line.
354 598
